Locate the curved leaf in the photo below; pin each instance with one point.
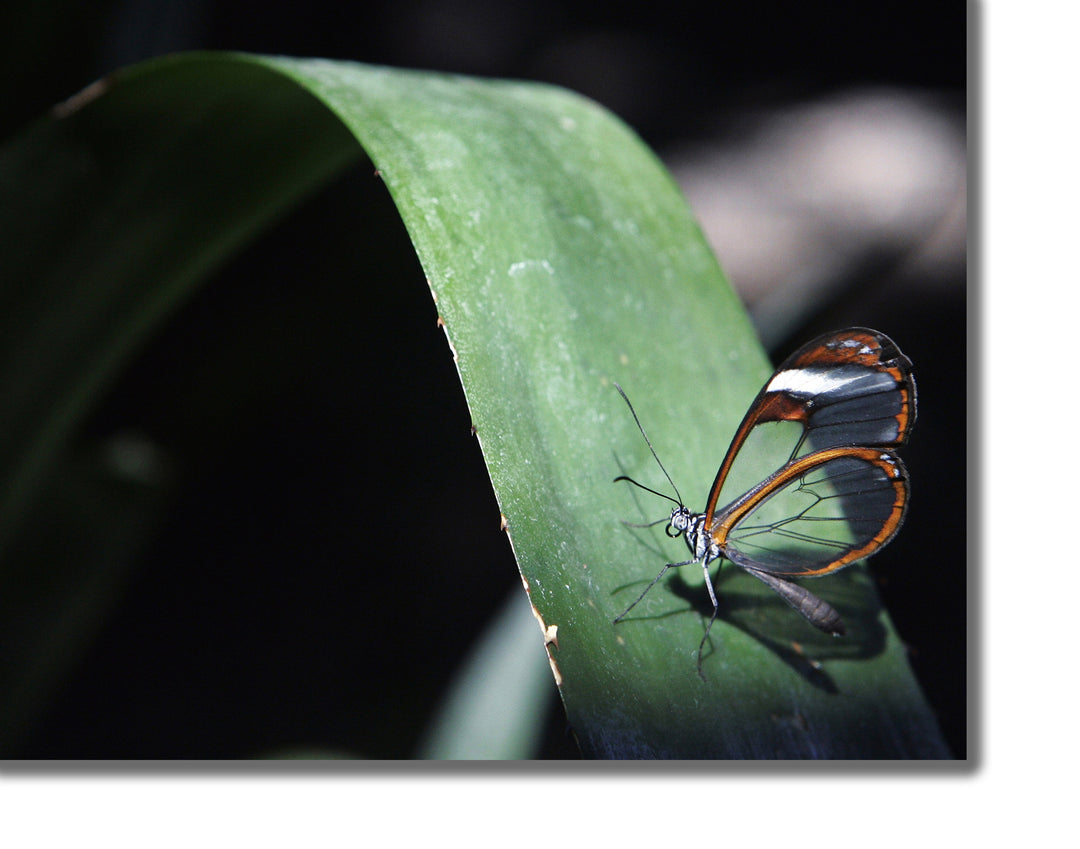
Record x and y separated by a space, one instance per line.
562 259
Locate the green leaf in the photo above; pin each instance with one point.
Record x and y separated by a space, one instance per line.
497 704
562 259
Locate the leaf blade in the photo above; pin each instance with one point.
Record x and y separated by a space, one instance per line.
563 258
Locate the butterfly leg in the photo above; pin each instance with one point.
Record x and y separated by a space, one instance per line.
715 613
655 581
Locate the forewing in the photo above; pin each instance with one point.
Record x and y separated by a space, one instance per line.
848 388
852 387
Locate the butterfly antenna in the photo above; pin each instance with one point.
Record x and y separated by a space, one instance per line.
653 450
647 489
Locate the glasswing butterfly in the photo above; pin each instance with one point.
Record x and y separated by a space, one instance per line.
843 402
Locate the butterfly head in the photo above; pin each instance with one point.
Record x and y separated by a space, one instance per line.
679 521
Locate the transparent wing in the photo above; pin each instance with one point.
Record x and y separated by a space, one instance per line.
817 514
848 388
853 387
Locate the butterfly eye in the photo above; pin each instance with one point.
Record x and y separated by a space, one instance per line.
679 522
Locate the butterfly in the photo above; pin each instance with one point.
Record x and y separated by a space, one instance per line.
843 403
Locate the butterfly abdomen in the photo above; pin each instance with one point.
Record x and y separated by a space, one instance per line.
818 613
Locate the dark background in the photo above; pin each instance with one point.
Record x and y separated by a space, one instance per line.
247 628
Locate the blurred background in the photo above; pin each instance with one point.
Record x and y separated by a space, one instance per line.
823 148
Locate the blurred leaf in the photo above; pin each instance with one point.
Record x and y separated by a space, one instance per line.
497 704
562 258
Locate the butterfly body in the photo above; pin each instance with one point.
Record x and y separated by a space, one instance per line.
841 492
692 527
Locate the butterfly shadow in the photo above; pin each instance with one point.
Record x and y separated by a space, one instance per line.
748 605
744 603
